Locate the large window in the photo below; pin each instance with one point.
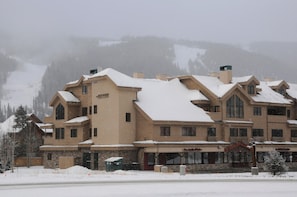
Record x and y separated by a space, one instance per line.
238 132
235 107
165 131
173 158
60 113
193 157
59 133
189 131
274 110
258 132
277 132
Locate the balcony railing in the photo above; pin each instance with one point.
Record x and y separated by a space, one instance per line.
277 139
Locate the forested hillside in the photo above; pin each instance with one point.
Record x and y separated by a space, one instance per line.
70 58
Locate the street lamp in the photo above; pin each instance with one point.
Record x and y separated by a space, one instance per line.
255 169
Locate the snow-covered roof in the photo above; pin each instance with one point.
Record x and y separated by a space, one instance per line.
151 142
118 78
78 119
292 122
68 97
268 95
292 91
169 101
241 79
43 126
87 142
216 86
113 159
273 83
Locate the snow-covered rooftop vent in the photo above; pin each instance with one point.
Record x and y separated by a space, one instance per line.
225 74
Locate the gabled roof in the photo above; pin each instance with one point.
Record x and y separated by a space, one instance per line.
77 82
292 91
245 79
169 101
67 97
267 95
276 84
118 78
214 85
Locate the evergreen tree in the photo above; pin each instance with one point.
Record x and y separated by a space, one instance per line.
20 118
275 163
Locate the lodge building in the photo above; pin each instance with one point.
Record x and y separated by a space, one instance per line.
204 122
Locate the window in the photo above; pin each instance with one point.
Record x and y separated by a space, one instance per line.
189 131
59 133
84 89
95 132
90 132
84 111
274 110
216 108
211 131
90 110
95 109
277 132
173 158
293 133
238 132
49 156
251 89
60 112
73 133
258 132
193 157
164 131
128 117
257 111
235 107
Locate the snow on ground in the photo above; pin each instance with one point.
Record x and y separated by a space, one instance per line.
23 84
79 181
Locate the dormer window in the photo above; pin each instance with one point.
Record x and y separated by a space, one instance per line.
251 89
60 112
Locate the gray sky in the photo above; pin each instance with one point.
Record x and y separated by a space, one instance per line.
235 21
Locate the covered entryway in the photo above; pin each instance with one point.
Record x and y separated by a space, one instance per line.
239 155
87 160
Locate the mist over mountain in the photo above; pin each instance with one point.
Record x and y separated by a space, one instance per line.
68 58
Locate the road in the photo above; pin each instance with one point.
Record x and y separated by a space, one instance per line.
145 188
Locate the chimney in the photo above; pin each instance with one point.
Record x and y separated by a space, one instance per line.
93 71
162 77
138 75
225 74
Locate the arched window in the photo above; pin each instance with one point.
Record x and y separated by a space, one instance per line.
235 107
60 112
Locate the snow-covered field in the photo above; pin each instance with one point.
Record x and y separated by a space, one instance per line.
79 181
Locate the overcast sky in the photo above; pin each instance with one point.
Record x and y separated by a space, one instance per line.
235 21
